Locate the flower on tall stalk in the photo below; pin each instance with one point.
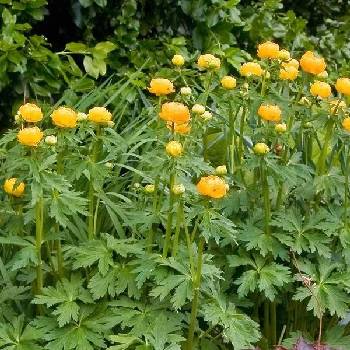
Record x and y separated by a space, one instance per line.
271 113
261 148
291 63
64 117
343 86
179 128
208 61
198 109
228 82
185 91
30 136
178 60
161 87
175 112
100 115
13 188
320 89
174 149
346 124
312 64
288 73
178 189
284 55
268 50
251 69
281 128
51 140
30 112
221 170
212 186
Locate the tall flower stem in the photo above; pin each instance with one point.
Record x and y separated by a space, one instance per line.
321 164
266 196
196 288
241 134
205 100
179 222
39 226
346 190
154 210
231 137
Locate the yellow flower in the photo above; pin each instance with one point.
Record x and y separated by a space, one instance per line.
149 188
183 128
251 68
343 86
281 128
178 60
312 64
174 148
261 148
270 113
208 61
161 87
30 136
212 186
284 55
64 117
321 89
288 73
198 109
13 188
346 124
228 82
175 112
336 105
268 50
31 113
291 63
100 115
221 170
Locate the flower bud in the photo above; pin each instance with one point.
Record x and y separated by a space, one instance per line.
110 124
137 185
198 109
206 116
149 188
81 116
109 165
267 75
185 90
18 118
178 189
221 170
51 140
178 60
304 101
323 75
281 128
284 55
174 148
261 148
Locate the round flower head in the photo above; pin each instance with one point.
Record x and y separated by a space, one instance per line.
178 60
270 113
251 68
174 149
281 128
322 75
268 50
343 86
321 89
284 55
185 90
346 124
183 128
30 136
175 112
13 188
31 113
228 82
149 188
288 73
291 63
261 148
212 186
81 117
312 64
99 115
51 140
161 87
206 116
198 109
221 170
208 61
178 189
64 117
336 105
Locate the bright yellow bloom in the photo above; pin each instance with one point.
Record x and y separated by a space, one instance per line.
64 117
268 50
228 82
13 188
175 112
312 64
100 115
174 148
281 128
178 60
270 113
284 55
261 148
212 186
343 86
30 136
150 188
251 68
346 124
321 89
31 113
291 63
208 61
288 73
161 87
183 128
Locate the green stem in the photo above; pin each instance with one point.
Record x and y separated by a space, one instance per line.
241 135
321 164
196 288
179 222
346 190
266 196
39 222
154 210
273 323
205 99
266 320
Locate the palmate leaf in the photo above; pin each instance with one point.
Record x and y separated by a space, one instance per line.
237 328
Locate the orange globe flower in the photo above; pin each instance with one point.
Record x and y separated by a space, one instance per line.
30 136
270 113
312 64
161 87
212 186
175 112
343 86
208 61
31 113
13 188
268 50
321 89
346 124
100 115
183 128
288 73
64 117
251 68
